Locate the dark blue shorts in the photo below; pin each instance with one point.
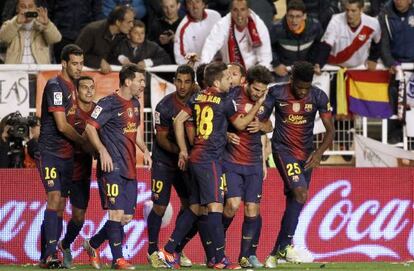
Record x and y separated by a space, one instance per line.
292 171
244 181
210 182
55 172
117 192
163 178
79 193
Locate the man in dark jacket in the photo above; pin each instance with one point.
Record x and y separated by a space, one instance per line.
138 50
321 10
397 43
70 16
295 38
98 38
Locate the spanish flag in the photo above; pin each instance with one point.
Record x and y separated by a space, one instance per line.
367 93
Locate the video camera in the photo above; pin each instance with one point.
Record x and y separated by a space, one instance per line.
19 125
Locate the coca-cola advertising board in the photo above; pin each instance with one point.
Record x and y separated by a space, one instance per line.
351 215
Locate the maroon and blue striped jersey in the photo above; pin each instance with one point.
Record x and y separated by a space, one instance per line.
117 121
294 119
82 164
58 96
249 151
211 111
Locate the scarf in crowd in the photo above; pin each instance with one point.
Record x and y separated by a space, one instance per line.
234 50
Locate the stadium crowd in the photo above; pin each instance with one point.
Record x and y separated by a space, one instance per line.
210 141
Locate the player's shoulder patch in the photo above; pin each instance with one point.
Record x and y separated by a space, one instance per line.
58 98
96 112
157 118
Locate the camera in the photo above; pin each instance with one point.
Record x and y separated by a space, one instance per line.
31 14
20 125
18 133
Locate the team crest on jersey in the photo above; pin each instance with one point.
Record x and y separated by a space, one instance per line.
50 183
411 21
112 200
296 107
130 112
57 98
247 107
362 37
72 111
157 118
308 107
96 112
261 110
295 178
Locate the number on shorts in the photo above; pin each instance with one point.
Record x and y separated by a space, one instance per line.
223 183
204 121
157 186
50 173
293 169
112 190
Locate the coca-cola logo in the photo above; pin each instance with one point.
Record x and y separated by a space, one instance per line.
370 228
16 217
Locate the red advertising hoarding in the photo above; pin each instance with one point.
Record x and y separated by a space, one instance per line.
351 215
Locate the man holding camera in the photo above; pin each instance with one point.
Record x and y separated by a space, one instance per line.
29 34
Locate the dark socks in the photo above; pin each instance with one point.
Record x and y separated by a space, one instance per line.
248 233
205 237
153 228
227 222
72 231
113 230
59 227
216 230
288 224
255 241
50 222
188 237
100 237
182 226
42 240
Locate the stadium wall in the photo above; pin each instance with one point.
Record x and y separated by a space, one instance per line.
353 214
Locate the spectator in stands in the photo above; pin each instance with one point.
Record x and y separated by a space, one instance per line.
70 16
351 39
241 37
296 37
138 50
193 30
138 6
397 43
322 10
266 10
98 38
29 34
376 6
162 30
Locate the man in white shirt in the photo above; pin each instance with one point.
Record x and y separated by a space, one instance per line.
193 30
241 36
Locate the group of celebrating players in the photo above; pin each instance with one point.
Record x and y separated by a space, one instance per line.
209 144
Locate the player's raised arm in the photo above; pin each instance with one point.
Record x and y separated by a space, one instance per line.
242 121
93 137
179 130
143 147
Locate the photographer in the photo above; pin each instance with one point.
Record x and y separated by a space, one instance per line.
18 140
29 34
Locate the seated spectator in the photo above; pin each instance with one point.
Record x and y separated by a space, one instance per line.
241 37
193 30
137 49
98 38
138 6
296 37
351 39
162 30
397 43
29 35
70 16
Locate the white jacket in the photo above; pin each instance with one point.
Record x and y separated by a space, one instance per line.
218 40
190 36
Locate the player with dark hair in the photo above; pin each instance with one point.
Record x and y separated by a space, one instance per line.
165 172
244 164
113 129
81 178
212 109
55 161
296 103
